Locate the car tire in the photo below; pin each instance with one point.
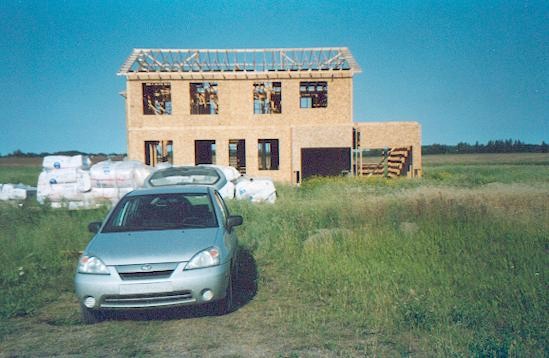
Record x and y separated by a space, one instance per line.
89 316
226 304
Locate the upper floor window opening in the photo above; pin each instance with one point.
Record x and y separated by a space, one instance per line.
157 98
313 94
267 97
204 99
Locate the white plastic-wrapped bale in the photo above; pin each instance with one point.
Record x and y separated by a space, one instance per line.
65 162
69 175
48 188
59 192
86 202
16 191
119 174
255 189
109 194
228 190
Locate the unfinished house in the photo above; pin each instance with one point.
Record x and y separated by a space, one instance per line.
281 113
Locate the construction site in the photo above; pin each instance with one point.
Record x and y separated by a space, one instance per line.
284 113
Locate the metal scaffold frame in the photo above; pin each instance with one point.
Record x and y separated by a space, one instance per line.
329 59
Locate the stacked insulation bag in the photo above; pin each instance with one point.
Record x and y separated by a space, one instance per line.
111 180
71 182
65 181
16 192
242 187
256 190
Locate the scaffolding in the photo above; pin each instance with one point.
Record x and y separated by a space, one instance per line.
235 61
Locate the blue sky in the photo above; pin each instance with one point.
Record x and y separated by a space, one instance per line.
466 70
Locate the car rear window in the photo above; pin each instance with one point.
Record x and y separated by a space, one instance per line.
162 212
181 176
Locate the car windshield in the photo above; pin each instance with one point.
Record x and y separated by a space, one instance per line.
183 175
162 212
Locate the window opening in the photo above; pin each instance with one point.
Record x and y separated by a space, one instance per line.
237 154
267 97
157 98
204 152
158 151
204 98
268 154
313 94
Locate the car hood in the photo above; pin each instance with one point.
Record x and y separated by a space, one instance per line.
127 248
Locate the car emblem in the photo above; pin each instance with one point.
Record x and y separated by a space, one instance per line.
146 268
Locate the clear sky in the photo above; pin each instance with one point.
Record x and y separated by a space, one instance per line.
466 70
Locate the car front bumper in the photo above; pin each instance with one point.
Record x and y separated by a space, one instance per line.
183 287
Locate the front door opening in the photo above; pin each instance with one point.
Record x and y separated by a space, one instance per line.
158 151
204 152
237 154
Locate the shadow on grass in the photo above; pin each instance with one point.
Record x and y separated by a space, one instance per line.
245 289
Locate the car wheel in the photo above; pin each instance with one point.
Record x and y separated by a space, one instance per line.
89 316
226 304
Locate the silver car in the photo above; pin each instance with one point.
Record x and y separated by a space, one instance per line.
160 247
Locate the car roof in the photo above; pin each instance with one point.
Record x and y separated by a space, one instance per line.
173 189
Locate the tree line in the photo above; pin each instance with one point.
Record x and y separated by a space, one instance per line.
20 154
492 146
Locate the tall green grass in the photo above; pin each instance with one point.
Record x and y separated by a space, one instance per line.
451 270
452 264
39 250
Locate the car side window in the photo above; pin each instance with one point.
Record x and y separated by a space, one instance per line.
221 203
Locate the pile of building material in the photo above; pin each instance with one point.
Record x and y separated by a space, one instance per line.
255 190
64 181
71 182
16 191
111 180
244 187
225 179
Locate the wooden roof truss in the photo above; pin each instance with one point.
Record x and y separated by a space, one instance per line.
239 60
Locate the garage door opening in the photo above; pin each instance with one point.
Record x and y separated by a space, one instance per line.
325 161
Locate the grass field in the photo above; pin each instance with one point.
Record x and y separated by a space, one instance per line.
453 264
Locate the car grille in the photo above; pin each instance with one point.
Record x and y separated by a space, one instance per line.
145 275
146 271
147 300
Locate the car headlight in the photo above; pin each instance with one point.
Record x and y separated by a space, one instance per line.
205 258
92 265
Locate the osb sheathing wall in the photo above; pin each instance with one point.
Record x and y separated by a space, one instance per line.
376 135
295 127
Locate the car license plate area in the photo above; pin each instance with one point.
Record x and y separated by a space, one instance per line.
138 288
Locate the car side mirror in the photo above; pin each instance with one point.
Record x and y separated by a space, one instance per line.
234 220
94 226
